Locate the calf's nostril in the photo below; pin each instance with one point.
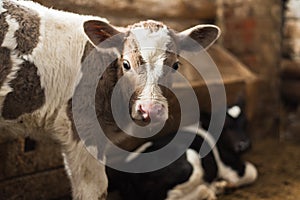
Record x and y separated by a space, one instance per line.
144 113
141 109
150 110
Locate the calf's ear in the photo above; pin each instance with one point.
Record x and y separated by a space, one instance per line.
98 31
198 37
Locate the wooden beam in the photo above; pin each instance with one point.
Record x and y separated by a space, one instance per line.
290 69
290 90
187 9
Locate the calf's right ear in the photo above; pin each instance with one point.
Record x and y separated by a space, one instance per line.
98 31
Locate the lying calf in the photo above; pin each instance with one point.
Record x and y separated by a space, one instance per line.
234 137
190 176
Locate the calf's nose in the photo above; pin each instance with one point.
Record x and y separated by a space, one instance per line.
152 111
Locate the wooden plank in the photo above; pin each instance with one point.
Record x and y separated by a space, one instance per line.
187 9
252 30
290 69
52 184
234 75
18 158
228 66
290 90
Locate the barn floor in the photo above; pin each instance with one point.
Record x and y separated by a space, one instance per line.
278 164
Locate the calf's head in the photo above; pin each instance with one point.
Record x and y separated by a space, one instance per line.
149 52
235 128
234 136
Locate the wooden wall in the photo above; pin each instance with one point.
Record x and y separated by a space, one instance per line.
290 72
252 31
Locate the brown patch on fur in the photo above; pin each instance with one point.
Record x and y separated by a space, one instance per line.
3 27
5 64
27 95
170 59
132 50
27 35
153 26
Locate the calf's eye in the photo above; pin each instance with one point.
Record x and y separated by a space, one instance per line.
126 64
175 66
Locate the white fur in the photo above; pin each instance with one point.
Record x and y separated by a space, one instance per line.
58 60
234 112
1 7
293 7
224 171
10 43
152 46
9 39
181 191
194 188
87 175
89 179
60 68
249 177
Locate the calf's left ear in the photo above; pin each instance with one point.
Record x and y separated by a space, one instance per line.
198 37
98 31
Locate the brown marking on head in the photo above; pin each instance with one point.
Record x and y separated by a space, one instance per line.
151 25
5 64
27 35
27 95
3 27
131 49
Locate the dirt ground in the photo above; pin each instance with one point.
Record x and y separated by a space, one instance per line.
278 164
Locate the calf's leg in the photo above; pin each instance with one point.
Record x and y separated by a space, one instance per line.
87 174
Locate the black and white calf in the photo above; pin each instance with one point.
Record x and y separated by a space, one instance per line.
41 57
235 139
192 176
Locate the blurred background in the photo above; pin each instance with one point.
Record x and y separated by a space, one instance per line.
258 56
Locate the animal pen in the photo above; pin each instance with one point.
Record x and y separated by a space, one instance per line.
258 57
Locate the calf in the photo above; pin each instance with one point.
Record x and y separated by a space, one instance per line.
191 176
235 139
42 51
